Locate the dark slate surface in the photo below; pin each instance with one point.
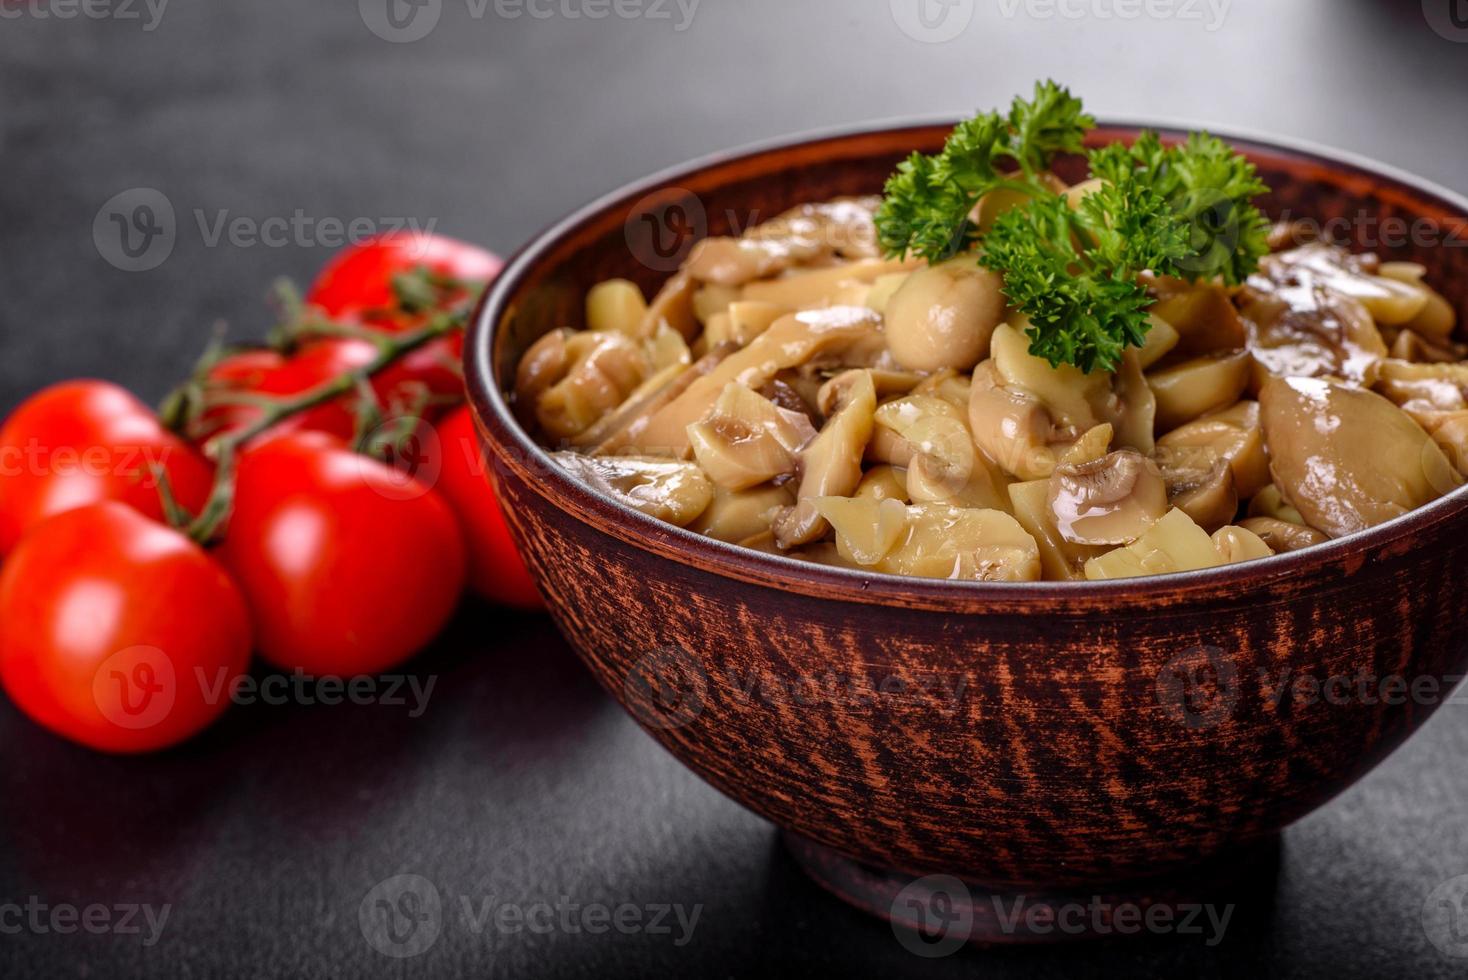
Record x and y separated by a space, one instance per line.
520 782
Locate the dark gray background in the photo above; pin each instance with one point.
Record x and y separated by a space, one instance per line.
522 782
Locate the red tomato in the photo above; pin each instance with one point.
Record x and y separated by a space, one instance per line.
81 442
349 566
428 371
244 371
496 570
313 365
119 633
360 278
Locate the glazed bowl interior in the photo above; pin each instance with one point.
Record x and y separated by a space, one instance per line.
642 233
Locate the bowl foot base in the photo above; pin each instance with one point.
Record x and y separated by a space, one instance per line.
941 913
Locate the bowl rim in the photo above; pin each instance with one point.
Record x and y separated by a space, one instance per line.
496 419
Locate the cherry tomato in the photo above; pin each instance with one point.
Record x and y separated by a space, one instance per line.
80 442
349 566
314 364
117 632
360 278
244 371
496 570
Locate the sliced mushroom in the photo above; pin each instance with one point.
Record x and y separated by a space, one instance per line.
1390 301
789 342
1269 502
942 462
1061 560
1200 483
832 285
884 483
741 322
738 515
1200 315
1233 434
572 379
1173 544
1347 458
933 540
673 306
620 430
746 439
1068 394
1437 318
1299 326
615 306
1236 544
1012 426
1092 445
944 315
711 300
669 490
830 466
1108 501
1161 338
1282 536
1196 387
867 528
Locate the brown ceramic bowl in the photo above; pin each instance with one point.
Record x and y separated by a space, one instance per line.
1023 737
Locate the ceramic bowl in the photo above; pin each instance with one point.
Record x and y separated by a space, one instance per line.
1042 738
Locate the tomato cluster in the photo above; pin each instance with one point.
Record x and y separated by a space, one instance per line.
143 562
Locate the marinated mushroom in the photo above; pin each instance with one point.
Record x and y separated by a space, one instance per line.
932 540
1233 434
1196 387
1173 544
1200 484
1236 544
1107 501
572 379
738 515
746 439
1347 458
830 466
1281 536
789 342
669 490
791 391
943 315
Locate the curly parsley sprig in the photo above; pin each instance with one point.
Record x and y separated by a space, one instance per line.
1073 268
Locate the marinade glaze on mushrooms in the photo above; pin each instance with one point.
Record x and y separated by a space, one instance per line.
794 392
